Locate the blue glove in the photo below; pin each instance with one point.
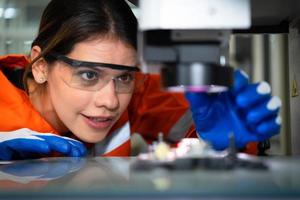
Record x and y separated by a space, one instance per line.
247 110
25 143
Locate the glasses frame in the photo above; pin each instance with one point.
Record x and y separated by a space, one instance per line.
79 63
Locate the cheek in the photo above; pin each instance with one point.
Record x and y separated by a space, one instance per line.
124 100
66 101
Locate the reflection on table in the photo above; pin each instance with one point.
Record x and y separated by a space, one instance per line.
115 178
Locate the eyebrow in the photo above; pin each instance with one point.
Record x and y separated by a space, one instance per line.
99 70
79 63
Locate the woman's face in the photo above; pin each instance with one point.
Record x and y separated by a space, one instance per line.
89 115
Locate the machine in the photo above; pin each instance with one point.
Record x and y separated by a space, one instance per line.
187 41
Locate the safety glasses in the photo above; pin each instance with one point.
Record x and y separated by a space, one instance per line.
93 76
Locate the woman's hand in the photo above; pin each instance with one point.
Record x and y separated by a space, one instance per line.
25 144
247 110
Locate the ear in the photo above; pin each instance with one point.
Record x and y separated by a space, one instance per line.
40 67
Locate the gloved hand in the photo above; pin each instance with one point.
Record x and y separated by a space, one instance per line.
247 110
25 143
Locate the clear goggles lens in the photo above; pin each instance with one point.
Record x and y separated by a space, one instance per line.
94 79
92 76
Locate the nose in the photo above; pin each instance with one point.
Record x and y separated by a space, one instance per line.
107 97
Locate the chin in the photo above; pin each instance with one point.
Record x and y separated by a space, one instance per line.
91 137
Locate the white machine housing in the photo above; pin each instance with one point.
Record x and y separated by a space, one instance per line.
194 14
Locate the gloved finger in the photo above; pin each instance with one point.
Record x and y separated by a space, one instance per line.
29 155
243 138
264 110
74 152
29 145
203 110
241 80
269 128
80 149
253 94
56 143
217 143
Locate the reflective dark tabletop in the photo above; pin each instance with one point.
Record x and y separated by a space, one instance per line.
115 178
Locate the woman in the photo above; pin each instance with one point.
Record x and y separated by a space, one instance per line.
83 83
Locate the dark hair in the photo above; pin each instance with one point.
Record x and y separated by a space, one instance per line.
67 22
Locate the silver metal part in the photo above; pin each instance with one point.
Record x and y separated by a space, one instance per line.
197 77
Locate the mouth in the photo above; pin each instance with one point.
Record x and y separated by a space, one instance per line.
98 122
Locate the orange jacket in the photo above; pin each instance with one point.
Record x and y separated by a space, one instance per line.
16 109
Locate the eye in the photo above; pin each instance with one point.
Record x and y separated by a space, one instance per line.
89 75
126 78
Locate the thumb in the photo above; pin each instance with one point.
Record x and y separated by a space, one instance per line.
197 99
241 80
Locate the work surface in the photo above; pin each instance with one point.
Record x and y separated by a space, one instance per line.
115 178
